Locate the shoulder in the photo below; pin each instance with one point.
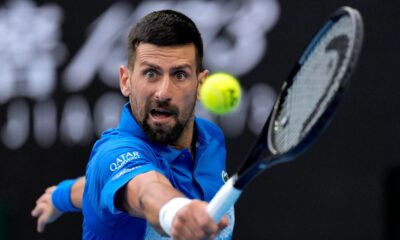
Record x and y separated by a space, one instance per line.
115 145
211 129
113 139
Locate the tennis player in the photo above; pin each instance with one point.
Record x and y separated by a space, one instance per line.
152 176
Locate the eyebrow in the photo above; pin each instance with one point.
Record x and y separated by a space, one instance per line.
156 67
181 67
173 69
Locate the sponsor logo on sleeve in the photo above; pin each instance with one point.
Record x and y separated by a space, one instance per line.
124 159
124 171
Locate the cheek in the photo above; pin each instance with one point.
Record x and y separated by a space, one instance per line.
138 99
189 99
138 92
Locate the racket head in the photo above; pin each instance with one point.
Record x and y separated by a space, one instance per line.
310 96
336 46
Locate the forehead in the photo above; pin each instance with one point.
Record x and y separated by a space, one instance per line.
166 55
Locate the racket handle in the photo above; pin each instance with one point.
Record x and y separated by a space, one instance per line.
225 198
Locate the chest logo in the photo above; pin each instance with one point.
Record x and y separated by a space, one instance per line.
224 176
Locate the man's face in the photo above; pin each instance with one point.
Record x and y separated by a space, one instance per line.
163 88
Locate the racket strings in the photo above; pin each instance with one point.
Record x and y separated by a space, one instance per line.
313 88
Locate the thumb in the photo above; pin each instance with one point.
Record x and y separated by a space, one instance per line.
223 223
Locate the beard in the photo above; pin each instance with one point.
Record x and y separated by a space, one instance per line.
163 133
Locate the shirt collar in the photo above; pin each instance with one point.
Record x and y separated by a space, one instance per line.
129 124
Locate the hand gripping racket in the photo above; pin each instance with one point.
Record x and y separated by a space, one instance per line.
305 106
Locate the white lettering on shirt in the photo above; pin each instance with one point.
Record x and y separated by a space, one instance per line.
123 171
123 159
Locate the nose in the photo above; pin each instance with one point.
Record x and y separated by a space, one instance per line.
164 90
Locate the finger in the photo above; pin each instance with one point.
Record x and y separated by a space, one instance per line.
50 189
43 198
183 228
205 228
183 233
37 210
41 223
208 224
210 228
223 223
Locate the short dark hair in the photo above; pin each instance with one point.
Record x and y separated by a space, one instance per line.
165 28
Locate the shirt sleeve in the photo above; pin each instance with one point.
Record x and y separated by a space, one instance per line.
117 166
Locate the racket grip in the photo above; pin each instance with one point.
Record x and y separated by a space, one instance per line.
225 198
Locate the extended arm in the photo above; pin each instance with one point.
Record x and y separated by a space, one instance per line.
146 194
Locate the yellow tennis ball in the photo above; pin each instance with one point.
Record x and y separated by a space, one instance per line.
220 93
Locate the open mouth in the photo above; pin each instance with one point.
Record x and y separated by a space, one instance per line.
159 113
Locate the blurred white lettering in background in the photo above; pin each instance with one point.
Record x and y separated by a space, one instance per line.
30 49
31 52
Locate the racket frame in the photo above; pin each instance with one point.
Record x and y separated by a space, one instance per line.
254 164
262 156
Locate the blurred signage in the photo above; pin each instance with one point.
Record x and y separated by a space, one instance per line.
34 63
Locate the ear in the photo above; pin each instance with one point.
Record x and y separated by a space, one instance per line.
202 77
124 83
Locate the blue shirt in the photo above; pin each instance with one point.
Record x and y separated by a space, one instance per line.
125 152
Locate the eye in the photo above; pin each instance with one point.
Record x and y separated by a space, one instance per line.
180 76
150 74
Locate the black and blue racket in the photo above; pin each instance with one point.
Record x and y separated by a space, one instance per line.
305 106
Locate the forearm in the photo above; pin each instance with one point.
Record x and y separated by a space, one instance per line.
77 192
151 196
67 197
146 194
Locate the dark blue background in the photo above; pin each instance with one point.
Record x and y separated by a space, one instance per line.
344 187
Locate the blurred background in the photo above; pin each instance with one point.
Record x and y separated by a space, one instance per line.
59 90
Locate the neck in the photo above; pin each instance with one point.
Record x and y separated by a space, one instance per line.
186 139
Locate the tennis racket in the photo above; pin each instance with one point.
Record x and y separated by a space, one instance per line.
305 106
